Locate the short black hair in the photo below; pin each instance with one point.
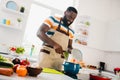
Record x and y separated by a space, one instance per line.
72 9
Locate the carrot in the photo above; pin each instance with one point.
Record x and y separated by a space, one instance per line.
6 71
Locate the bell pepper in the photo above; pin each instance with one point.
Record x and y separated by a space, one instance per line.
25 62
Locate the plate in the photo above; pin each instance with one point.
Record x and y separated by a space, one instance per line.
11 5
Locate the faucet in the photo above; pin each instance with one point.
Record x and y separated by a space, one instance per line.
101 67
100 70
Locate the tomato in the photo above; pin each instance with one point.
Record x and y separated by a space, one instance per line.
21 70
25 62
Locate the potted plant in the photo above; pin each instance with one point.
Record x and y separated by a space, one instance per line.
19 20
22 9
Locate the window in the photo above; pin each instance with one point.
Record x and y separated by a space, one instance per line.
0 1
36 17
39 11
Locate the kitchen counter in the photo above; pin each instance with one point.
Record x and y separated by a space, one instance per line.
42 76
84 74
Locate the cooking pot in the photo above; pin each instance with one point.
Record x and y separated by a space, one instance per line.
71 68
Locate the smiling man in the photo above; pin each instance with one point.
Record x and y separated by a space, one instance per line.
57 36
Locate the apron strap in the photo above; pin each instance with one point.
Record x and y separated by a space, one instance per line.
58 29
59 25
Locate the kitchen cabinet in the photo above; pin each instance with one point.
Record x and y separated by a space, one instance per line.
113 36
97 34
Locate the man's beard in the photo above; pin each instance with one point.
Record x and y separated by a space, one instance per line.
65 21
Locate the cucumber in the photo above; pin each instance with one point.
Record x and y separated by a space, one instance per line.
6 64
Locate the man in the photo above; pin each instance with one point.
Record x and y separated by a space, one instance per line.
57 38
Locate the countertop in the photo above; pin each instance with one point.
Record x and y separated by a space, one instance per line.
84 74
41 76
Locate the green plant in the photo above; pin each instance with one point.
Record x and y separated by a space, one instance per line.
19 20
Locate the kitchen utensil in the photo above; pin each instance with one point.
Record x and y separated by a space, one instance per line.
53 71
32 71
76 54
71 68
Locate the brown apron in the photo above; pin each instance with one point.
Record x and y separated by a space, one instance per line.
53 59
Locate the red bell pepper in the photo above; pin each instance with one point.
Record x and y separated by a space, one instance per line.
25 62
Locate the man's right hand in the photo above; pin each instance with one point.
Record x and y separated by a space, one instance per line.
58 48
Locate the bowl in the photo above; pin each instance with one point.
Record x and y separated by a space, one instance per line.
32 71
71 68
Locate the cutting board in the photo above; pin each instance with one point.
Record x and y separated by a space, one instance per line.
53 71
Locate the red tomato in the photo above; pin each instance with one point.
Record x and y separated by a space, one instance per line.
25 62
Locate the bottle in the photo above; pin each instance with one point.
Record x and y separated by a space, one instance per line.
32 49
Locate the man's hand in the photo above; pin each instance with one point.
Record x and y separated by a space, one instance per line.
58 48
69 50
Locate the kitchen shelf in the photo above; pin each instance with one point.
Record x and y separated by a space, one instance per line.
13 11
10 26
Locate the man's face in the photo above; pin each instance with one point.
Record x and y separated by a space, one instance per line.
69 17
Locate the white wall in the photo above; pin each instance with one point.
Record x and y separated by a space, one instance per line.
112 38
92 56
97 34
112 60
105 10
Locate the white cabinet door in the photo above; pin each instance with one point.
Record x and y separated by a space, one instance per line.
97 34
113 36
